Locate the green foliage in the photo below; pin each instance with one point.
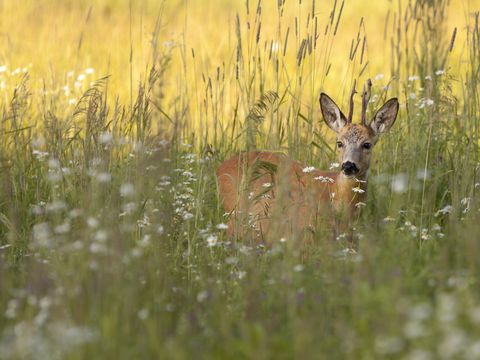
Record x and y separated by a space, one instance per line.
113 241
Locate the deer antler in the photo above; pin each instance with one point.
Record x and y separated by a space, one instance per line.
365 98
352 94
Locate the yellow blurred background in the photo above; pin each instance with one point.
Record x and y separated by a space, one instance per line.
70 43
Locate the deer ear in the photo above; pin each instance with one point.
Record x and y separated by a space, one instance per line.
385 117
331 113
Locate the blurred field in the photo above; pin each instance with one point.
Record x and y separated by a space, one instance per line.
114 117
52 38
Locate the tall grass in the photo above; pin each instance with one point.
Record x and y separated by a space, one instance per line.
113 240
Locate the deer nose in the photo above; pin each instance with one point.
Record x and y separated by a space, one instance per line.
349 168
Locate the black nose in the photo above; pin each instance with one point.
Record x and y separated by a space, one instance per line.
349 168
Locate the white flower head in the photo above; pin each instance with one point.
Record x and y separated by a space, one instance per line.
444 211
298 268
399 183
308 169
324 179
212 240
127 190
106 137
358 190
222 226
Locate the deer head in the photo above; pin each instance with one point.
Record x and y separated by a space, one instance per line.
355 142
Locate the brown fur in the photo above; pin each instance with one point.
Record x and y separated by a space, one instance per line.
258 186
295 196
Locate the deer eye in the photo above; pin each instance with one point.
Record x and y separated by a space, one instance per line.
367 146
339 144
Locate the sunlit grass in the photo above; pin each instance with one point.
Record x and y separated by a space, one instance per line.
115 116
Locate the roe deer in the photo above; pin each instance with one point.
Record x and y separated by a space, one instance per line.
257 186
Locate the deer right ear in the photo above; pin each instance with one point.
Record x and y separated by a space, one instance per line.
331 113
385 117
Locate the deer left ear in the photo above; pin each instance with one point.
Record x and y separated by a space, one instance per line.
385 117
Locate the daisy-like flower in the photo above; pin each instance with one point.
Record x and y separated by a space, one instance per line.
212 240
444 211
357 190
308 169
222 226
324 179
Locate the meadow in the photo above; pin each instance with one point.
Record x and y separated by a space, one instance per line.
115 115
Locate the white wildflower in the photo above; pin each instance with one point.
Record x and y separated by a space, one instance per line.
308 169
444 211
103 177
419 354
187 216
143 314
127 190
334 165
358 190
63 228
101 236
424 234
202 296
106 137
39 154
212 240
12 307
92 222
222 226
388 345
399 183
423 174
298 268
96 248
324 179
440 72
55 206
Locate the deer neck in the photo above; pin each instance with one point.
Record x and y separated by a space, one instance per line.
350 190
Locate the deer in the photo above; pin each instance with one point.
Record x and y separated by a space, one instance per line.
267 194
